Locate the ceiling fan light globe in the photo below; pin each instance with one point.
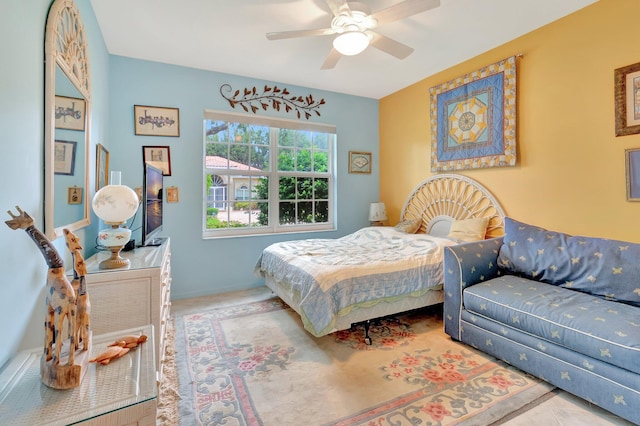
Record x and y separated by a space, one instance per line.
351 42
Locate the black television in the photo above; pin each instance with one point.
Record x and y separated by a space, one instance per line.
152 195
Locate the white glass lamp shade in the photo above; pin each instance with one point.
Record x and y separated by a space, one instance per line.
377 212
351 43
115 204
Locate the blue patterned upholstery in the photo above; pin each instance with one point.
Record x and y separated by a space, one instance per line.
587 344
601 329
605 268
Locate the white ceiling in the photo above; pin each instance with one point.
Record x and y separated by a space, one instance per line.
229 36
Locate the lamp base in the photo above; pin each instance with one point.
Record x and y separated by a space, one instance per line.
115 261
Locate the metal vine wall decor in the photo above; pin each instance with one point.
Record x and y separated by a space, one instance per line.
274 97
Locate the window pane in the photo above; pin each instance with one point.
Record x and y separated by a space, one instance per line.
303 160
287 188
321 189
263 213
305 212
304 188
286 160
216 130
259 187
239 157
260 199
321 161
259 157
286 137
303 139
321 141
322 212
217 156
287 213
243 215
258 135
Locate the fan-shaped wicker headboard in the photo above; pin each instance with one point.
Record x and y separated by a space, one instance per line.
443 198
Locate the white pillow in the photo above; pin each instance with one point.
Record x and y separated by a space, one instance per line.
469 229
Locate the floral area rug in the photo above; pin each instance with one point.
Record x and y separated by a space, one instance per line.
253 364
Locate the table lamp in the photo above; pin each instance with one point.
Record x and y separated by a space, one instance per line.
377 214
115 204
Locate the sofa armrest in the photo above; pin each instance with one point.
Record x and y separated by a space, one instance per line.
465 265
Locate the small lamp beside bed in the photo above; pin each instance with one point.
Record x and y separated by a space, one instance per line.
377 214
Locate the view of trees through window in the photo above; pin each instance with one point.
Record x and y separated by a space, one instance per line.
245 190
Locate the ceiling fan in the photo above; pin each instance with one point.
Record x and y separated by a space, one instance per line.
353 25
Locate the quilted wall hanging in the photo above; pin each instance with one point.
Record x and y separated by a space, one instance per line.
473 119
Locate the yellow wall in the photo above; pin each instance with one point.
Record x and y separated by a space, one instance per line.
570 174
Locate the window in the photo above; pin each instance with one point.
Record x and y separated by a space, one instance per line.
265 175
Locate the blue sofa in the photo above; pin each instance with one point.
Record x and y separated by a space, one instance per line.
563 308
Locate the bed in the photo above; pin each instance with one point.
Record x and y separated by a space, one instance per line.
378 271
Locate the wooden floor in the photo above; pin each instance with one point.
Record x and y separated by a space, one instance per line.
557 409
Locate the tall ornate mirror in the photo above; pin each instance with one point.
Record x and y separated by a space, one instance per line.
67 117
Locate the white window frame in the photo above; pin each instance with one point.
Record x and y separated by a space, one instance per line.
274 223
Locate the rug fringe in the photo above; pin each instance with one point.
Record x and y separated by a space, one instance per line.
168 396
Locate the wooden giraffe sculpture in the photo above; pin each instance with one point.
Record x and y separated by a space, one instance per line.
60 299
82 331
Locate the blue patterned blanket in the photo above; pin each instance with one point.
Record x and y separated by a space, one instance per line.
374 264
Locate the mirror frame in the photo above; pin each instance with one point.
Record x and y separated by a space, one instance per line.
65 47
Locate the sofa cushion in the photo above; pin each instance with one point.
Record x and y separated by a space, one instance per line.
601 267
602 329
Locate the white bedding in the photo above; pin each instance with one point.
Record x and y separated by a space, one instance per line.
331 277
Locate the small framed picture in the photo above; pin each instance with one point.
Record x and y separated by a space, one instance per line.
627 98
156 121
69 113
172 194
64 157
632 163
74 195
359 162
102 166
158 156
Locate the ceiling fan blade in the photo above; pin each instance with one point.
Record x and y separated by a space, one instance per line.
403 10
387 45
299 33
339 7
332 60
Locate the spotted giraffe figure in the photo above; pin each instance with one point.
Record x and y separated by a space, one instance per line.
83 305
60 297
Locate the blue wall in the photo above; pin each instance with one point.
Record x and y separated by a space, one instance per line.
24 270
199 266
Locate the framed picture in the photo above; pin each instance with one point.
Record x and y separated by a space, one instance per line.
102 166
359 162
158 156
172 194
473 119
632 162
69 113
156 121
64 157
627 95
74 195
